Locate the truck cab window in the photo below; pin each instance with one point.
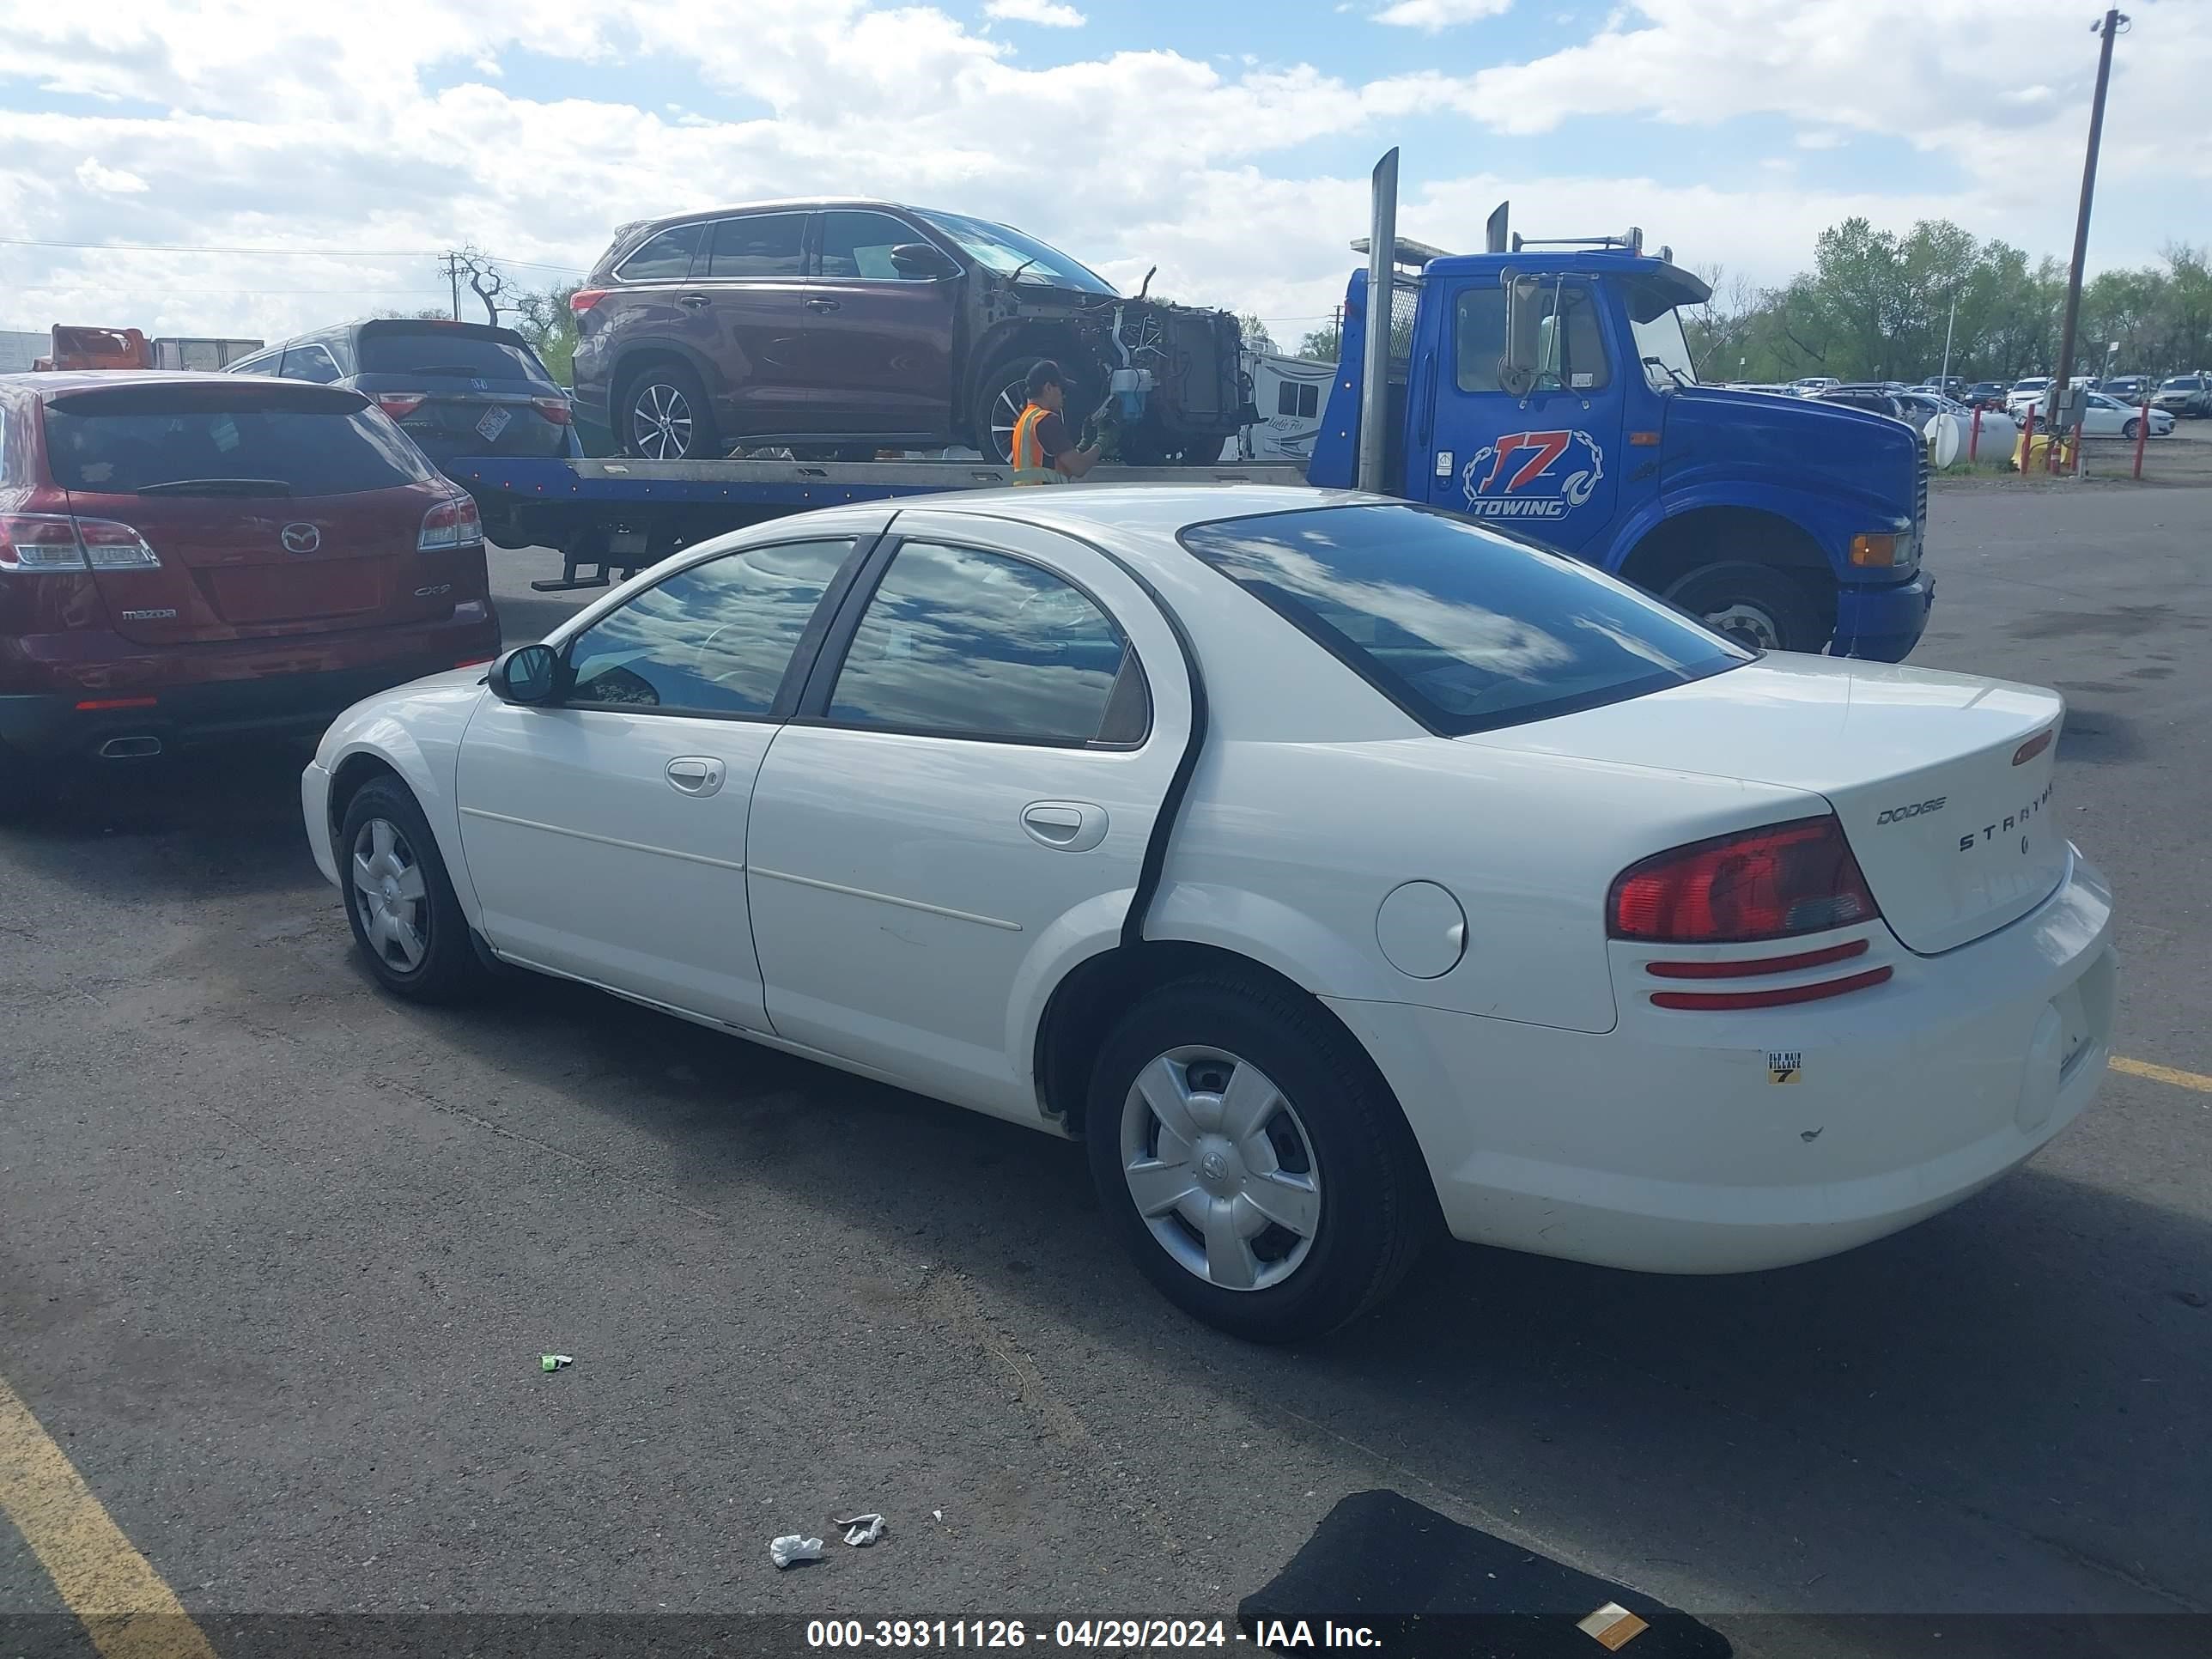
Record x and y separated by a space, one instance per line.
1479 338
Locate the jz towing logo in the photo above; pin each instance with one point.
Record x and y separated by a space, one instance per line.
1514 477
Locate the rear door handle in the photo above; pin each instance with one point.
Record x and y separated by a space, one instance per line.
697 774
1066 826
693 301
821 305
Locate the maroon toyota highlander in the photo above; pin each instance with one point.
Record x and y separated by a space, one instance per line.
195 556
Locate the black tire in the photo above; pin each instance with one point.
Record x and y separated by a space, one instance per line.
447 967
1755 605
663 416
1001 392
2130 430
1372 1204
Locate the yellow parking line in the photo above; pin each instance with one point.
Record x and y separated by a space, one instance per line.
126 1609
2195 1080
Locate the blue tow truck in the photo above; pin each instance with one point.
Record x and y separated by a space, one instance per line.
1545 388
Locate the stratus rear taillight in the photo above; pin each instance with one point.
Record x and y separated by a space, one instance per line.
400 404
55 541
451 525
555 410
583 299
1771 882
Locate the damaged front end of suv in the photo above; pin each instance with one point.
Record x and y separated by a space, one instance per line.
1174 373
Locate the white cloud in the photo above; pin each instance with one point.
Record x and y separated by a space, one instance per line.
1435 15
110 181
269 124
1043 13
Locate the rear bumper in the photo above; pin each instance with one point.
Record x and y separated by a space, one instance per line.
240 689
1882 624
1669 1146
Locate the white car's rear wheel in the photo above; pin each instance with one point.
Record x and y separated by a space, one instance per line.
1252 1161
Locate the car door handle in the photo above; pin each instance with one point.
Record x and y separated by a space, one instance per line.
693 301
821 305
1066 826
697 774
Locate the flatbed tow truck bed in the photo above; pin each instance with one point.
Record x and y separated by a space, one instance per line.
614 516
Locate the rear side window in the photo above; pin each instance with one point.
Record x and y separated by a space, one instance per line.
957 642
1462 629
665 259
444 352
712 640
212 440
759 245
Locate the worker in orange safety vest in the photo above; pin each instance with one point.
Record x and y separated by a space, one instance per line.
1041 436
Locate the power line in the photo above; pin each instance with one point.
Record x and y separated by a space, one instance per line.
111 288
266 253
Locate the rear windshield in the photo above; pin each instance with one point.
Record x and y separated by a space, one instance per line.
1464 630
161 442
446 351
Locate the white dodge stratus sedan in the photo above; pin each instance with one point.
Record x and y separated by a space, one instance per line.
1335 869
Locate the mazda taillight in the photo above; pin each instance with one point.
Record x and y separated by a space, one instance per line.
555 410
583 299
451 525
1771 882
400 404
55 541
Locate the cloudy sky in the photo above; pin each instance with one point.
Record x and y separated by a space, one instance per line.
1228 141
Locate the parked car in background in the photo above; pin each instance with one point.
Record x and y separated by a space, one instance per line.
1872 397
2185 394
707 791
1811 386
2104 416
2128 388
455 388
1952 386
2026 392
1985 394
839 328
193 556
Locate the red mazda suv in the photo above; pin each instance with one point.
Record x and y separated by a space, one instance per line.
188 557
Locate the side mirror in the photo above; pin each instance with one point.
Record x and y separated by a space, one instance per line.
921 259
1528 343
527 674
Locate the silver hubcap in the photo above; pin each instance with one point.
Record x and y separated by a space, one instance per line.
388 888
1013 398
660 419
1747 624
1220 1168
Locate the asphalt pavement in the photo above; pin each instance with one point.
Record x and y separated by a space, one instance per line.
279 1255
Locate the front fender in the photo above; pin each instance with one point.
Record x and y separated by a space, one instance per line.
1826 529
417 731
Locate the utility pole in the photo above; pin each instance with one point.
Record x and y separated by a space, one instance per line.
2113 22
1944 378
454 278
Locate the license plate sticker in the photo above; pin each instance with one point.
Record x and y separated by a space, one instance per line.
494 423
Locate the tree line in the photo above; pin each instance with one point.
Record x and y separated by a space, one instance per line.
1875 305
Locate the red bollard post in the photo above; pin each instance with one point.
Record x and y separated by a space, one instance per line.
2142 431
1974 435
2028 441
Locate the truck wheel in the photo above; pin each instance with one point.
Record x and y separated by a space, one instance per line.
1754 605
663 415
999 396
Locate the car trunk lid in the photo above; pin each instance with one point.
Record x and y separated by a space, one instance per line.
273 509
1943 783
